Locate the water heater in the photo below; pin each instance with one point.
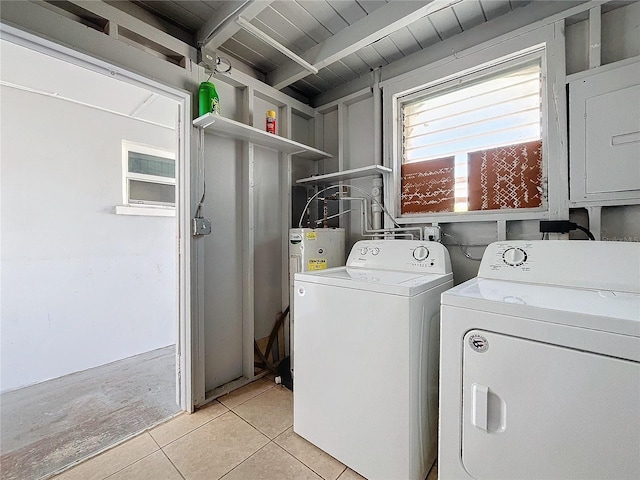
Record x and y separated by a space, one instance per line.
311 249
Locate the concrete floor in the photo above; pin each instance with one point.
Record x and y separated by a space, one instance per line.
53 424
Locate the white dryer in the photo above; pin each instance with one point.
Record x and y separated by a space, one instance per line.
540 364
367 357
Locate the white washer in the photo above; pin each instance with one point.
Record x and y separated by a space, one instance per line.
540 364
367 357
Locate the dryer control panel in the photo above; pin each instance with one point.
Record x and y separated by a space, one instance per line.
402 255
573 263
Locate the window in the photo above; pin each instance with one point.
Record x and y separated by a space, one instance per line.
474 143
149 176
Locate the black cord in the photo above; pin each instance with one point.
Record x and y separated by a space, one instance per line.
586 230
562 226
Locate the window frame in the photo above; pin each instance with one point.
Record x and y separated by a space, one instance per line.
144 208
462 80
545 43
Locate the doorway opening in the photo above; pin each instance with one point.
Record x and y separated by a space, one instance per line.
91 284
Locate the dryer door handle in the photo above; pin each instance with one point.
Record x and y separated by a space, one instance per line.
480 405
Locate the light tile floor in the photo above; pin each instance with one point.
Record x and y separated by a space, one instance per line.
245 435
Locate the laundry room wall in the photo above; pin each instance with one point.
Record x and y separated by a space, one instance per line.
620 40
81 286
224 254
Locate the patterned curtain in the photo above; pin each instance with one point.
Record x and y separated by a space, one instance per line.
506 177
428 186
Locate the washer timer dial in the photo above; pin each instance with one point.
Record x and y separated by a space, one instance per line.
514 256
421 253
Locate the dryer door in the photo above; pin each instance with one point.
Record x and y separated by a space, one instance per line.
533 410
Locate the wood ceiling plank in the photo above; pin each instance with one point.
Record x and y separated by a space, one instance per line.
371 57
288 28
405 41
355 63
495 8
222 26
326 15
445 23
328 75
176 12
303 20
349 10
202 10
276 34
370 6
264 50
469 14
424 32
343 71
247 55
371 28
387 50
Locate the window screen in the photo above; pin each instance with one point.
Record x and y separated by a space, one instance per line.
152 193
151 165
149 175
475 146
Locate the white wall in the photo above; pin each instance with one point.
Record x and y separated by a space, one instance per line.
360 154
80 286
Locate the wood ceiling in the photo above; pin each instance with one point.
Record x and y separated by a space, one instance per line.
344 39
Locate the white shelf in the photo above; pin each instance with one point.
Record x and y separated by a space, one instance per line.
230 128
346 174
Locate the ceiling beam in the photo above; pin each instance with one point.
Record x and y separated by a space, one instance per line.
222 25
520 21
380 23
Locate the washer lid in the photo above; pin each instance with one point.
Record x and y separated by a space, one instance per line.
604 310
383 281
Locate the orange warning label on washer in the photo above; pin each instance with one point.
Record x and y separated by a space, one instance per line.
317 264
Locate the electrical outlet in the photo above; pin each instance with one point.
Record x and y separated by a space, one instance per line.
201 226
432 233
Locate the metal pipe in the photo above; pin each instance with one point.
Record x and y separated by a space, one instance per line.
377 231
376 191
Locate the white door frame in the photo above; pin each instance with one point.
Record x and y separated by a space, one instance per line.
184 367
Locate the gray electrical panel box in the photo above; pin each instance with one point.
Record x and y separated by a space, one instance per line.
201 226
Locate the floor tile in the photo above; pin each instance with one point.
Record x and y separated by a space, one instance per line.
185 423
111 461
235 398
215 448
270 412
317 460
350 475
154 467
271 463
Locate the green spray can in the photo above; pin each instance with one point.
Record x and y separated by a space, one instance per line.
208 98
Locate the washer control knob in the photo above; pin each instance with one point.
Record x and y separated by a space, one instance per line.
514 256
375 251
364 250
421 253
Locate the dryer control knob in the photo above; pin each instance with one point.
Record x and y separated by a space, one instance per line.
514 256
364 250
421 253
375 251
